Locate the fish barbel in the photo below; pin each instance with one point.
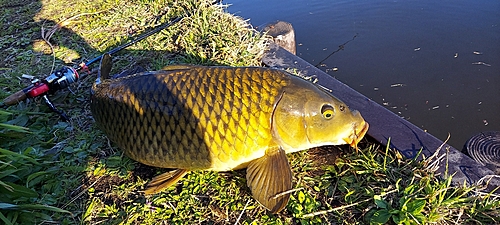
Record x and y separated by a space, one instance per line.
221 119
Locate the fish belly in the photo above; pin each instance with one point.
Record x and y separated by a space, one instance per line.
196 118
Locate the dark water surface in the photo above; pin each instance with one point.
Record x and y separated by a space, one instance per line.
435 63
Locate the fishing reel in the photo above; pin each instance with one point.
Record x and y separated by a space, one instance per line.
59 79
62 78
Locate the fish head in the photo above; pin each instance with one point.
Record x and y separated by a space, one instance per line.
307 116
329 121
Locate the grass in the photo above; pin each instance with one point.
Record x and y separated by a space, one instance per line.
54 172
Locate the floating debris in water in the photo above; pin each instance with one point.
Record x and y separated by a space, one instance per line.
385 103
485 122
334 69
481 63
477 53
416 49
435 107
375 88
398 85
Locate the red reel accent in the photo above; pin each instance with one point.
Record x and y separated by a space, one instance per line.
37 90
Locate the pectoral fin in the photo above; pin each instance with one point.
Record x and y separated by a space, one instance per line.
164 180
268 177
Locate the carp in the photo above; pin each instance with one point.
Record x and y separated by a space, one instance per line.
221 118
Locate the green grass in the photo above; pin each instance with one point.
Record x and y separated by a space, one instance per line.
54 172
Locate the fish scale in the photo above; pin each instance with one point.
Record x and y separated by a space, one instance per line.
200 119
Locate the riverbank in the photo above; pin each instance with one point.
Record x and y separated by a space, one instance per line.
69 173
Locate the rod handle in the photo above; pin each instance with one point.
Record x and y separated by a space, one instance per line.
15 98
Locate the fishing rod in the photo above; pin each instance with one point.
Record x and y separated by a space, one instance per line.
63 77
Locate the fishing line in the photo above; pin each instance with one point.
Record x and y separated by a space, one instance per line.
341 47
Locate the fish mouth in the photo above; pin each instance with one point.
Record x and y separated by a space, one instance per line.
356 137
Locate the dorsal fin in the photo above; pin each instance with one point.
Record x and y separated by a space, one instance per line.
105 67
178 67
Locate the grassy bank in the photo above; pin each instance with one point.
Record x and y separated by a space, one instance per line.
54 172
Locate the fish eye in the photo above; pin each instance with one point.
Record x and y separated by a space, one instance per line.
327 111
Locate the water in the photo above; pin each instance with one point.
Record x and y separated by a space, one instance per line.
435 63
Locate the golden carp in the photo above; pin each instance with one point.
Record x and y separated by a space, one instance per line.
221 119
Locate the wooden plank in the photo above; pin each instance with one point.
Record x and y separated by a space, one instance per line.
283 34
